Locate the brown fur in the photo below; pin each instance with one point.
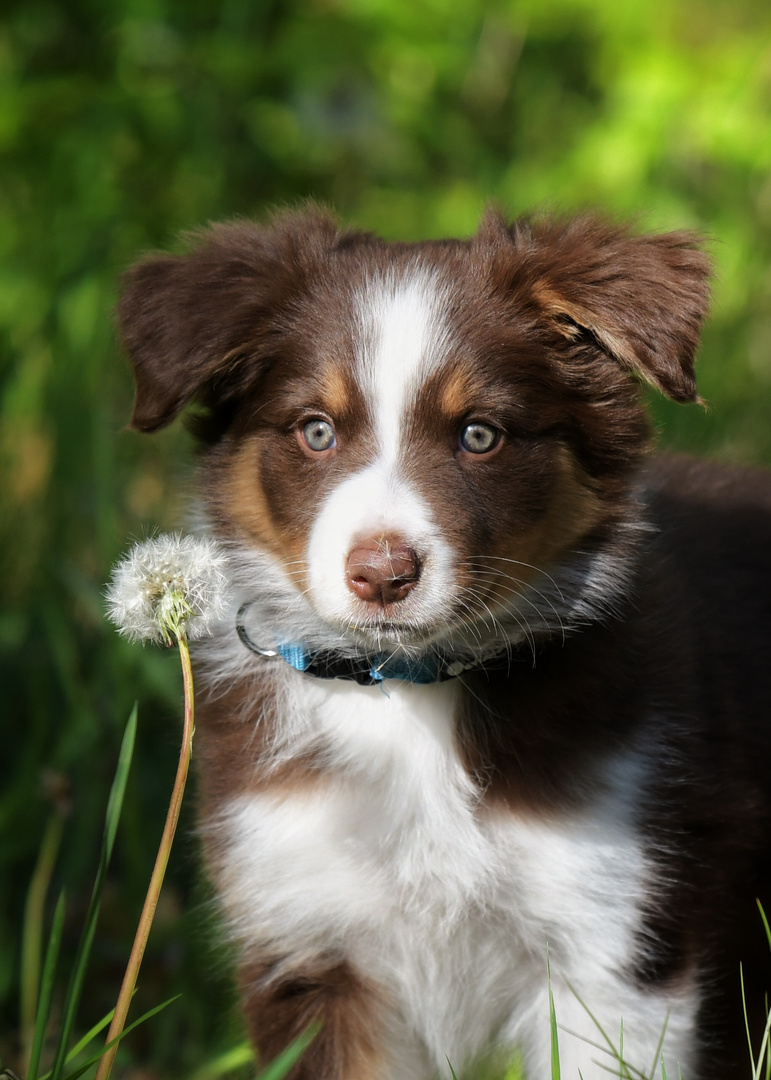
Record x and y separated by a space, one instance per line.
334 999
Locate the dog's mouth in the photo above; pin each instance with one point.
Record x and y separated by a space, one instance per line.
384 630
445 632
423 619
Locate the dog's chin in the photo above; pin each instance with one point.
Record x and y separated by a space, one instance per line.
375 629
377 633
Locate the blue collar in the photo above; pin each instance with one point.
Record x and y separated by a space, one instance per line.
369 670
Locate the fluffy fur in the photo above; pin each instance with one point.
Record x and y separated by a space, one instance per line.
438 451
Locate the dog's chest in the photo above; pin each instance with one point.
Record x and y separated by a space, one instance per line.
390 857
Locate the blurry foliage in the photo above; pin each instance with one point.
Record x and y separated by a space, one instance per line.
122 123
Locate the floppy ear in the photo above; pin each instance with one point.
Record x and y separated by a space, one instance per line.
642 298
202 321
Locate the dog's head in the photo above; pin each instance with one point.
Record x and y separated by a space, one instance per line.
423 442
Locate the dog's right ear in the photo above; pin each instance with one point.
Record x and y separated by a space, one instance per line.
200 323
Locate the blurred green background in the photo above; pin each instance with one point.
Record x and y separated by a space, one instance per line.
124 122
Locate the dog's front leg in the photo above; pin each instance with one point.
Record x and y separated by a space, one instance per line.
356 1035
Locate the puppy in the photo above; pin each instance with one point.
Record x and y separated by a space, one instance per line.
494 690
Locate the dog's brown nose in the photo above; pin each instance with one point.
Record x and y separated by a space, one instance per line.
382 571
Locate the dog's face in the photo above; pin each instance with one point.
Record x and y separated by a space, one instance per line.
421 436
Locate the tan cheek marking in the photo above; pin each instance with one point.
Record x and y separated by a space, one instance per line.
242 501
574 511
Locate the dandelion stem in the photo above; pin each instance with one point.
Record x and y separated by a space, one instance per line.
159 870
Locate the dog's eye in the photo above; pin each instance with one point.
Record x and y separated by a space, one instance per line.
319 435
478 438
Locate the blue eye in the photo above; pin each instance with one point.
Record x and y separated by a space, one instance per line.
478 438
319 435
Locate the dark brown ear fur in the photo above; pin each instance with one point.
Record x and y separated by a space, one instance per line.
642 298
198 324
202 324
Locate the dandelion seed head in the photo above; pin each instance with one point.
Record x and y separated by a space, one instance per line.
167 587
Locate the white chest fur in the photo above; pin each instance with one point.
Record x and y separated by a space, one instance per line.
390 860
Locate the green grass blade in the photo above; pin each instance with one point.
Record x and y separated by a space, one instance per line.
765 1050
626 1069
93 1060
114 804
763 1054
516 1070
765 922
555 1045
281 1065
452 1071
80 1046
32 934
89 1036
46 989
224 1063
118 789
746 1020
657 1056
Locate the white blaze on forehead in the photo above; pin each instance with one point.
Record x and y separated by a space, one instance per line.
402 337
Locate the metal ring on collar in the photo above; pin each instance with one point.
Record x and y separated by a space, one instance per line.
243 633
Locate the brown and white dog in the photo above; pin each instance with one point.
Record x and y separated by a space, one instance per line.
494 681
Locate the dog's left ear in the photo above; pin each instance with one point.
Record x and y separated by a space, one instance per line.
642 298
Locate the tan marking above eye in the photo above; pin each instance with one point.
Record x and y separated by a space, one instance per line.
455 393
336 391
